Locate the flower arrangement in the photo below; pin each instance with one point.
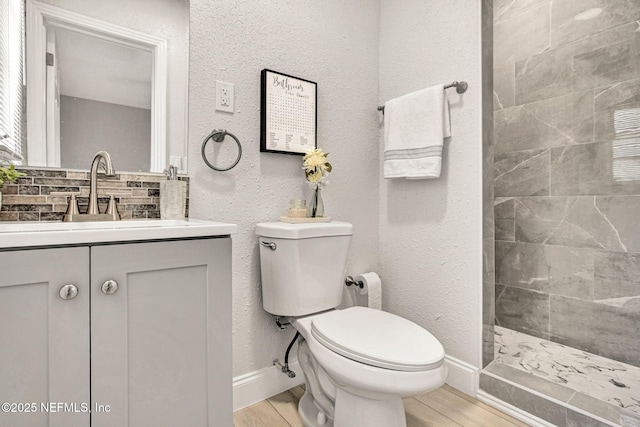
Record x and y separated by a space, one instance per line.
316 168
9 174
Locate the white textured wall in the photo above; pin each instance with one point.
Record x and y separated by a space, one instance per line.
431 231
334 43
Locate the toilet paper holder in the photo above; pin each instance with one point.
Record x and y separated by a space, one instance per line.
351 281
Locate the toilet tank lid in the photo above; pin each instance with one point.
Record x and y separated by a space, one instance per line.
284 230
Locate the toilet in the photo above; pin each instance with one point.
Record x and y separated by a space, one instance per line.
358 362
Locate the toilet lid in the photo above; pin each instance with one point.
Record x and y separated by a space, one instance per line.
378 338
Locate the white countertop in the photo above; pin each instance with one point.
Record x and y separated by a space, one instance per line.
26 234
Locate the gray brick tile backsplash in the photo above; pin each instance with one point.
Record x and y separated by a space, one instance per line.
42 194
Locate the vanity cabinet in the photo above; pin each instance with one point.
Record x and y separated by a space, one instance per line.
44 339
145 342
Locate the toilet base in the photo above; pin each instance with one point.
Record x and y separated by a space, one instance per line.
310 413
352 410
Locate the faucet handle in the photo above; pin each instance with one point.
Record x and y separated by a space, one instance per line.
72 208
112 207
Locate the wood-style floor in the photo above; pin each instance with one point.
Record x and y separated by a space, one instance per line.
443 407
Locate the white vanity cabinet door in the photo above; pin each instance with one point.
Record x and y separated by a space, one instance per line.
161 343
44 339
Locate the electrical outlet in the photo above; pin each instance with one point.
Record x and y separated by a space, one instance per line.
224 96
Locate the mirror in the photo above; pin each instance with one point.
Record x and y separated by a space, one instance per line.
114 79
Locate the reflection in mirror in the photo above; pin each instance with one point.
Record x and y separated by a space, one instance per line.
115 80
94 99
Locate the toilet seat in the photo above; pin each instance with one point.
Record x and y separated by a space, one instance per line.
378 338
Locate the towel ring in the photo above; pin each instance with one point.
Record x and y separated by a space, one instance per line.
218 136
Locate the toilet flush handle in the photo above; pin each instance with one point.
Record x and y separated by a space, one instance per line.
270 245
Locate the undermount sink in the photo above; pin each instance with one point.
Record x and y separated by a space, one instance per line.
21 234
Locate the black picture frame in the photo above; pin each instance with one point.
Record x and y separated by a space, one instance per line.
288 113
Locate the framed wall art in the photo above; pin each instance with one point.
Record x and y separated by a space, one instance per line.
288 113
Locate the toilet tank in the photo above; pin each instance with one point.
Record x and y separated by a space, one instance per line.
302 266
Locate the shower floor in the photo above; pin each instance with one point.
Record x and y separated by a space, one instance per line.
596 376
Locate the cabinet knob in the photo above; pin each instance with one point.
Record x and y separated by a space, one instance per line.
110 287
69 291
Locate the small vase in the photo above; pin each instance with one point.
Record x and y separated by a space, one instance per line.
315 207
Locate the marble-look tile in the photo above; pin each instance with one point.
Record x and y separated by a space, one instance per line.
488 299
551 73
620 213
576 419
487 15
543 76
488 189
539 406
508 9
606 380
598 328
504 86
487 345
488 221
522 310
504 214
582 116
575 20
522 376
601 222
554 270
487 57
587 169
523 35
537 125
522 173
607 411
607 65
617 275
611 104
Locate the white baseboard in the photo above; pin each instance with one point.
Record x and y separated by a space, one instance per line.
262 384
462 376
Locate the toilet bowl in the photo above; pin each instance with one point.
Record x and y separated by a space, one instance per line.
368 368
358 362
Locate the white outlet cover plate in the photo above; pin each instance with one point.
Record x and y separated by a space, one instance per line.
224 96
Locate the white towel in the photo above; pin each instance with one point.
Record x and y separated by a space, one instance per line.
415 126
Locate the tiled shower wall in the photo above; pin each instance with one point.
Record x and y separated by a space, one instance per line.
488 241
42 194
567 172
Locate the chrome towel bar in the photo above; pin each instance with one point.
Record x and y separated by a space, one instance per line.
461 87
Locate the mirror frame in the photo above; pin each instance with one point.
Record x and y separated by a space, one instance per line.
41 16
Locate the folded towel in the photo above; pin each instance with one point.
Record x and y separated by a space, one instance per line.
414 128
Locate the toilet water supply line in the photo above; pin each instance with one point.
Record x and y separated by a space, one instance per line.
349 281
285 368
